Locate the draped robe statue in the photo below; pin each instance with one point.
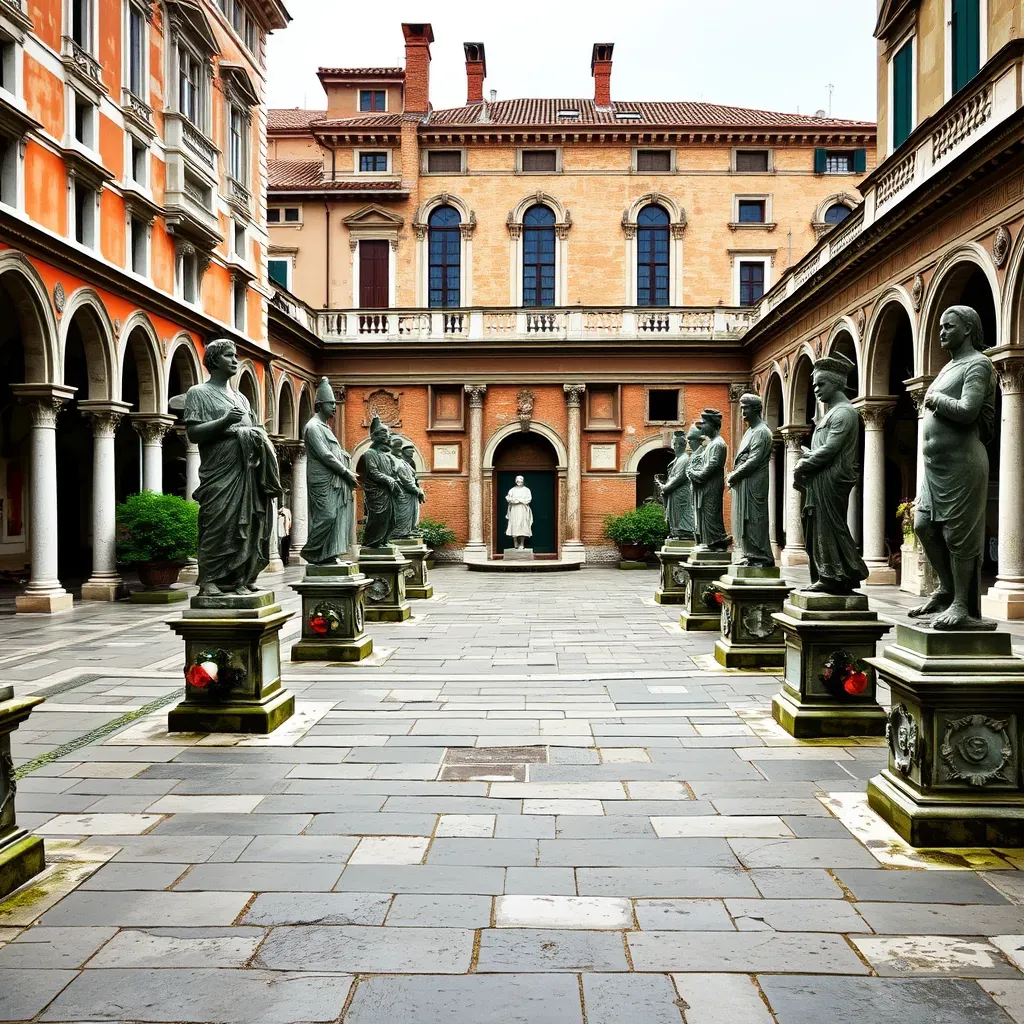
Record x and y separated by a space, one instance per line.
408 493
708 477
379 488
677 492
238 479
749 483
519 514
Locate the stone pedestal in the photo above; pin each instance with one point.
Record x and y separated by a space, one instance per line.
823 628
385 597
702 604
517 554
333 614
954 731
916 574
751 638
417 583
239 635
21 853
672 584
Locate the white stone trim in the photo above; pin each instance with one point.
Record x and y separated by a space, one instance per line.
421 224
87 298
542 429
676 228
652 444
514 223
754 256
911 36
156 370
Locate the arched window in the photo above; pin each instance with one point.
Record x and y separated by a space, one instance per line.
445 257
837 213
539 257
652 257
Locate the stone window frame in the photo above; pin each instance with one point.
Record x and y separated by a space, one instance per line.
135 211
286 256
387 150
467 226
15 121
770 150
768 224
514 223
671 150
282 223
899 40
372 110
818 223
546 148
680 406
738 256
677 228
146 10
949 56
446 426
602 426
425 160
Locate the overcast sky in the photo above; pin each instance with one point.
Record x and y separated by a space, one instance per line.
771 54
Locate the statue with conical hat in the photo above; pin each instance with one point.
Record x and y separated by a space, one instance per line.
409 495
826 473
677 493
749 483
707 474
380 487
329 484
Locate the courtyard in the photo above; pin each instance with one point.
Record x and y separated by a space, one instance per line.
539 801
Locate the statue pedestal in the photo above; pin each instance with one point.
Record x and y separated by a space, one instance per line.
954 775
239 635
751 638
820 628
517 554
333 613
672 585
385 597
417 584
702 609
21 853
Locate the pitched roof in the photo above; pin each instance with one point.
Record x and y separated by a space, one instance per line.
360 121
362 72
283 118
308 175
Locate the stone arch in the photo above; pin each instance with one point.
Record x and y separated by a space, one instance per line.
85 309
27 293
847 199
425 208
893 309
467 225
183 349
846 325
417 456
801 404
676 213
138 332
773 399
542 429
543 199
287 422
652 444
305 405
676 227
1012 312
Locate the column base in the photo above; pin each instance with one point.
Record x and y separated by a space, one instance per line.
574 551
46 604
474 553
880 574
22 857
104 590
1002 604
793 556
808 721
255 717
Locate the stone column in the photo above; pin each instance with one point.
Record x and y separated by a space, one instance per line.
151 428
275 564
794 552
105 583
572 549
476 549
300 506
44 592
191 469
1005 599
773 490
874 412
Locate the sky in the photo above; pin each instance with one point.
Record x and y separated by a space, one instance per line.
769 54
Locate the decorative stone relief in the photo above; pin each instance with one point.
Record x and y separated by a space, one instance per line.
358 616
380 589
977 750
524 407
7 774
726 621
758 622
679 576
1001 246
902 736
59 298
917 292
386 405
860 320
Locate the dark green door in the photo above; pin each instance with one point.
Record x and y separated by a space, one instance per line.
542 486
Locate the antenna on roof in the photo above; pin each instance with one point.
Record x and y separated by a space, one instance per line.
494 95
831 89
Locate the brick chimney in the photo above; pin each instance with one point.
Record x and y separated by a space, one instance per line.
601 69
476 71
417 66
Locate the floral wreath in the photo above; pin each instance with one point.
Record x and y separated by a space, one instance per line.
324 619
712 598
844 675
212 670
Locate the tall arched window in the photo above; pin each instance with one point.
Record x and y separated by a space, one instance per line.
445 257
652 257
539 257
837 213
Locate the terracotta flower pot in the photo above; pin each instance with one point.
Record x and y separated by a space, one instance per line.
159 575
632 552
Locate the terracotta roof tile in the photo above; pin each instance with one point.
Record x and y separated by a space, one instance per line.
359 121
308 175
362 72
283 118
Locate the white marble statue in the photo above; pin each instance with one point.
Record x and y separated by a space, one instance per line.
519 514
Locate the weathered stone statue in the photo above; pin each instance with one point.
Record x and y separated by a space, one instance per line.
519 514
408 454
707 473
238 479
826 473
677 493
380 487
949 516
329 484
408 495
749 483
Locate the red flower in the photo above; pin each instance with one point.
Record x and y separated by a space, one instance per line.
318 624
827 674
857 683
200 676
718 597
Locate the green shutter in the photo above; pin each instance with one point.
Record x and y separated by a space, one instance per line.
277 270
860 161
902 93
966 40
820 159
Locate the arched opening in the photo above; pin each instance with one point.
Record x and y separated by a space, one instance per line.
136 390
286 412
539 256
180 377
247 386
444 257
305 411
773 411
652 466
804 403
531 456
837 213
652 270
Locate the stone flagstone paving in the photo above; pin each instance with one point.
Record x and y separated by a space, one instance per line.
540 802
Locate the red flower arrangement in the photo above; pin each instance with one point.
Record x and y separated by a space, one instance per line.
212 670
843 674
324 619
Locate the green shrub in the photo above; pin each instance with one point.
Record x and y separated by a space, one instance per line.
436 534
644 525
157 528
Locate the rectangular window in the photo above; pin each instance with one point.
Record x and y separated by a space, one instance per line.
373 161
540 160
902 94
85 214
372 99
447 161
237 157
752 160
8 56
750 211
8 171
751 282
966 39
237 15
250 34
654 160
190 88
239 241
274 215
189 277
238 294
291 215
136 52
81 23
139 154
83 117
138 242
838 162
279 271
663 405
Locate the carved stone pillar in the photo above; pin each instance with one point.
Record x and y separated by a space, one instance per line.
572 549
794 553
44 592
773 491
105 583
476 549
874 412
191 469
151 428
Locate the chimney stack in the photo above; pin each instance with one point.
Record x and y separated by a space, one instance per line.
417 66
476 71
601 69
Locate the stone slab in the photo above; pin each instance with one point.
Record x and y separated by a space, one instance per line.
276 908
179 947
147 909
24 992
44 947
919 887
621 998
585 912
721 999
544 950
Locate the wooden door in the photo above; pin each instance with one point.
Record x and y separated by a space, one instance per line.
373 274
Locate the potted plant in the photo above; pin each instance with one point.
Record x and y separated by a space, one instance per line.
435 535
157 533
637 531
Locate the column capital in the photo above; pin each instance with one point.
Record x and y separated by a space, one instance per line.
44 401
574 394
795 434
916 388
151 426
105 416
476 394
1009 363
874 411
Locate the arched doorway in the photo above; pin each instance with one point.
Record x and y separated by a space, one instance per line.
653 464
531 456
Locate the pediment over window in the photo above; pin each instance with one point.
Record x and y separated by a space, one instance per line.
238 84
373 216
188 16
890 12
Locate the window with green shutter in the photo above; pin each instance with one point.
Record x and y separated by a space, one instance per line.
966 40
902 94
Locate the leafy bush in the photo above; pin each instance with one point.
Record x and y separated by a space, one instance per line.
905 511
157 528
644 525
436 534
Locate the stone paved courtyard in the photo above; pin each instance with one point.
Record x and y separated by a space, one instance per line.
540 801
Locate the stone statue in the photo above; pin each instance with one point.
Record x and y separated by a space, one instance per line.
238 479
408 454
408 496
677 493
329 484
380 487
707 473
949 516
826 473
519 514
749 483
